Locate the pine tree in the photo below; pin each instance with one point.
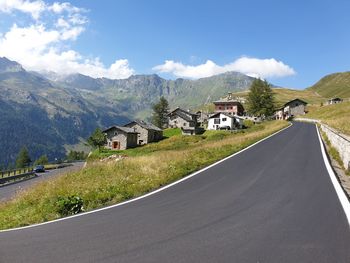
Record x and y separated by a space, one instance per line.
97 139
23 158
160 112
260 99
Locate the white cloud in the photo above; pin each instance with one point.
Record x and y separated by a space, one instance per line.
262 68
58 8
44 46
32 7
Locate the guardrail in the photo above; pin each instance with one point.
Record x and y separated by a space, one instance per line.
17 174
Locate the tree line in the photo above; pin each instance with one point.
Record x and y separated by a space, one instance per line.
24 160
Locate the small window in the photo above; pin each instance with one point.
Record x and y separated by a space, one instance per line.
216 121
184 124
224 119
219 108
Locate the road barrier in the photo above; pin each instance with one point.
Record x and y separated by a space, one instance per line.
15 175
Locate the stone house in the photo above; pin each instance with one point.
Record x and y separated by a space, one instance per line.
291 109
185 120
334 101
147 132
224 121
120 138
202 117
229 105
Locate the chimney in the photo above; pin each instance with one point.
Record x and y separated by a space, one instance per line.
229 97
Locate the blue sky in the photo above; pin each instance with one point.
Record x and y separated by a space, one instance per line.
291 43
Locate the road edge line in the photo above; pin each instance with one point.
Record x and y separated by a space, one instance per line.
148 194
343 199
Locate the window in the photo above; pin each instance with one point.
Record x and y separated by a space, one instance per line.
216 121
224 119
219 108
184 124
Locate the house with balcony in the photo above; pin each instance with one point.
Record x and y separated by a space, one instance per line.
229 105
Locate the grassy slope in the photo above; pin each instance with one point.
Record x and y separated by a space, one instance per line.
283 95
337 116
146 168
333 85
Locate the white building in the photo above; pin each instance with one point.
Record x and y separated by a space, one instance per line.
222 121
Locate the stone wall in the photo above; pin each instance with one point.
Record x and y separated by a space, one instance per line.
340 142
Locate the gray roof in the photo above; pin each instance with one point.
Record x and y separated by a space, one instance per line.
295 100
183 114
145 125
182 110
124 129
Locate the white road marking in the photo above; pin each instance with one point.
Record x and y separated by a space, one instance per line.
338 189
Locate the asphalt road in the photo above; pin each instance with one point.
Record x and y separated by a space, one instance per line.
8 191
272 203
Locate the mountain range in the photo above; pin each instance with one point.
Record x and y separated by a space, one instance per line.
50 113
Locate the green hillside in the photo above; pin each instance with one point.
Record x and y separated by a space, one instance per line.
333 85
283 95
336 116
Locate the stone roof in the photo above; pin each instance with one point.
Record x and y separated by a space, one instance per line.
286 104
145 125
124 129
183 114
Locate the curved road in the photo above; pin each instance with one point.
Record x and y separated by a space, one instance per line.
271 203
8 191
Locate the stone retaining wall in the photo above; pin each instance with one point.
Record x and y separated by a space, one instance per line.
338 140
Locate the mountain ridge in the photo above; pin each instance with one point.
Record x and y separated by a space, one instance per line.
49 111
333 85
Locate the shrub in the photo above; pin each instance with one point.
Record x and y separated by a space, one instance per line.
70 205
248 123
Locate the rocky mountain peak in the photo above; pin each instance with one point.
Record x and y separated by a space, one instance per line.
7 65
